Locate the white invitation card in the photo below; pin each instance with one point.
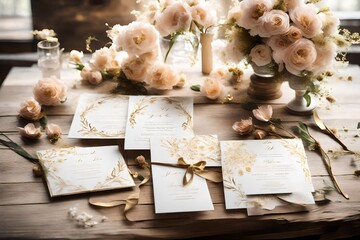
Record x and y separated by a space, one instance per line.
100 116
170 195
155 116
258 167
77 170
192 149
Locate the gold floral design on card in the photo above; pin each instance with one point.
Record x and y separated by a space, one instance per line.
141 106
238 159
88 128
296 150
195 149
116 176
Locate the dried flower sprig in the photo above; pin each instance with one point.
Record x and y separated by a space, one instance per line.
314 145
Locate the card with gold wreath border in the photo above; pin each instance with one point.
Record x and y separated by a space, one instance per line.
84 169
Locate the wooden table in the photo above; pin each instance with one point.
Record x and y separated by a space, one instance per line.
27 211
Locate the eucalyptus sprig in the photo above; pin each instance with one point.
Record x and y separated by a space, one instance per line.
314 145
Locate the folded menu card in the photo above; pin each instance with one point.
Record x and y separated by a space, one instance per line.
100 116
154 116
170 194
77 170
266 173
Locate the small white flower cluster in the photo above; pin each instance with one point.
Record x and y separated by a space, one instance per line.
83 219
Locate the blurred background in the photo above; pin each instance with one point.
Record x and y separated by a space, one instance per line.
74 21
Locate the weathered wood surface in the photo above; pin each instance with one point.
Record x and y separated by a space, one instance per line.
27 210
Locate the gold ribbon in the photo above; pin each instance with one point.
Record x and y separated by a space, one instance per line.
197 168
131 201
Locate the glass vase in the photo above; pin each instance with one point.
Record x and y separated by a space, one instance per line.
298 105
49 58
180 51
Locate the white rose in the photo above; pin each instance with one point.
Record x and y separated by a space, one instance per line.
261 54
275 22
306 18
30 131
251 13
204 14
162 76
221 74
135 68
138 38
30 109
300 56
94 77
211 88
175 18
76 56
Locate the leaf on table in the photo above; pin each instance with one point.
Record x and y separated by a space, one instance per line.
195 88
249 106
43 122
7 142
358 126
305 135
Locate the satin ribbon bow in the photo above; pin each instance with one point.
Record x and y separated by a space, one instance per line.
197 168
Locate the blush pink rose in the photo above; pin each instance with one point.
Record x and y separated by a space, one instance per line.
244 126
204 14
94 77
275 22
307 19
211 88
263 113
30 109
300 56
261 55
136 68
293 34
53 131
104 59
50 91
325 56
30 131
175 17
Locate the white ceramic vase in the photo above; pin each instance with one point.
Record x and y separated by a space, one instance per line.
298 105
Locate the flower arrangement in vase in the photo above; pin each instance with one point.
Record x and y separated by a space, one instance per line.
180 23
132 60
295 37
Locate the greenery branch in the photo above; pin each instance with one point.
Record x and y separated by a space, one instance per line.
10 144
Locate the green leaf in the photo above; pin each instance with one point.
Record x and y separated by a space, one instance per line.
305 135
307 98
172 42
249 106
16 148
358 126
195 88
43 122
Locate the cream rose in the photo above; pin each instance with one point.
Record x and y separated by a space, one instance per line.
300 56
136 68
275 22
30 109
94 77
50 91
138 38
104 59
204 14
307 19
291 4
293 34
261 55
76 56
211 88
325 56
279 44
30 131
162 76
53 131
175 18
251 13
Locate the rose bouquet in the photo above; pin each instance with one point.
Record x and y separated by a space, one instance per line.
292 36
132 60
178 18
